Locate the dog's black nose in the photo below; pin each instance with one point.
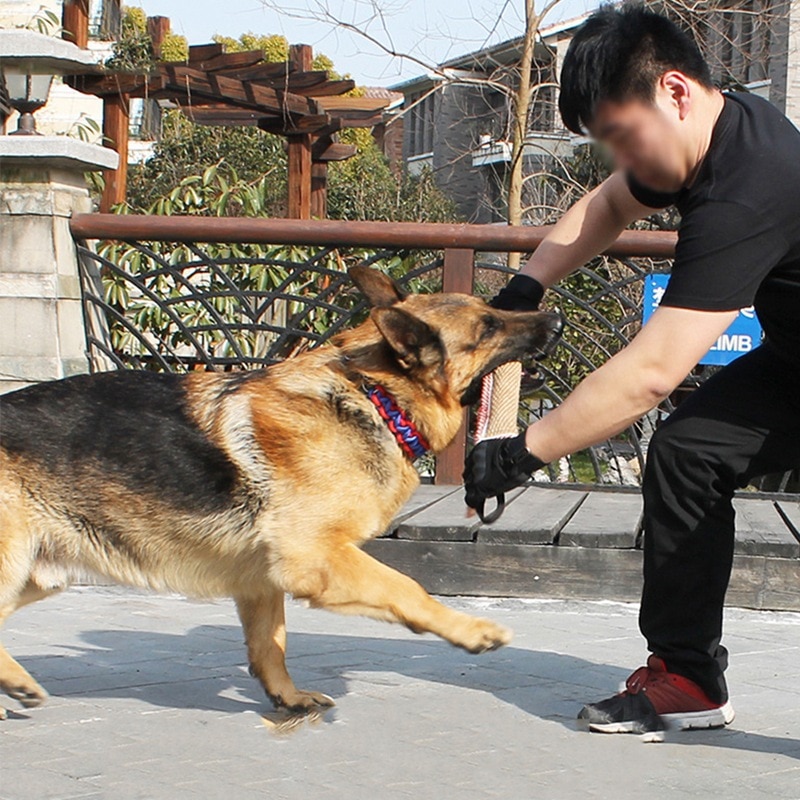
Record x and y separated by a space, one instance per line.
556 324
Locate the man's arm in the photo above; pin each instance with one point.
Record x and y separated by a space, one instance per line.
590 226
603 404
631 383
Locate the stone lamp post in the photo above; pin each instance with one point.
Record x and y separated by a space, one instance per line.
41 185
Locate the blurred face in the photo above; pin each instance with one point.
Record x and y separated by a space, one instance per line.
652 140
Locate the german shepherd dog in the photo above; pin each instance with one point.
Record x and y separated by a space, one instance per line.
251 484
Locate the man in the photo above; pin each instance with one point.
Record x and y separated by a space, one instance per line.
731 165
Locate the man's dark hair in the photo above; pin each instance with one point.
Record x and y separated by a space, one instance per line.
619 54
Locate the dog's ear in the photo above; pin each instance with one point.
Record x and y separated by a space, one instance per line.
414 342
378 287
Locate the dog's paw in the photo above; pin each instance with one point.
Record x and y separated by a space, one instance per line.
299 702
28 695
480 635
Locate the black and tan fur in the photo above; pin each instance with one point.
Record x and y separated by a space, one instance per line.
248 485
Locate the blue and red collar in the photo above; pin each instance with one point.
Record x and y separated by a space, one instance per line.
409 438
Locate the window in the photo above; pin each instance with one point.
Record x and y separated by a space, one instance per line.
420 123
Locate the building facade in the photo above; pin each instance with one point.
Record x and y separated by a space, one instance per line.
458 117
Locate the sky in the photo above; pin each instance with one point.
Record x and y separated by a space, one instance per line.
430 32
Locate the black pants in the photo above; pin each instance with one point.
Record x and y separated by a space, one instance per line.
744 421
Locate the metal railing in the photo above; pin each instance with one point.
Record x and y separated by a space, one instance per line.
260 290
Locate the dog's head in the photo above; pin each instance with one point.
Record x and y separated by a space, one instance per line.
452 340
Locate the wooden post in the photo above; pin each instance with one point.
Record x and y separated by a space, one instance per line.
457 276
116 118
299 179
157 30
75 22
319 189
299 148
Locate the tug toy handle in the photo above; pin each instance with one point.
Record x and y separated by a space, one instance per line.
494 515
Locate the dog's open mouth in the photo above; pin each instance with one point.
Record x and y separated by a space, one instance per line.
532 379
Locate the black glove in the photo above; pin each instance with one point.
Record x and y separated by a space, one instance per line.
522 293
496 465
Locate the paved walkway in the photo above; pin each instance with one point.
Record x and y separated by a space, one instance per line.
151 699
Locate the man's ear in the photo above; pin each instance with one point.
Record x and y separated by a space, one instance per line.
377 287
414 342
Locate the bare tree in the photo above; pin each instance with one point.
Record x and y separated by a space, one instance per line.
518 81
522 108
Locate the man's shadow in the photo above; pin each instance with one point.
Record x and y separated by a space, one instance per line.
204 669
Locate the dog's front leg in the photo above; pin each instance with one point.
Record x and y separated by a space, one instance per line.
349 581
264 624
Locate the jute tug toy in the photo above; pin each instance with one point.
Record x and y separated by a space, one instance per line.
497 417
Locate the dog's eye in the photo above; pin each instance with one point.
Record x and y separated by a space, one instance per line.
490 325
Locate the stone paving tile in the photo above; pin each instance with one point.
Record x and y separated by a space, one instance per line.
152 701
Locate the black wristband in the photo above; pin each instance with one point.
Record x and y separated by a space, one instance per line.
522 293
519 458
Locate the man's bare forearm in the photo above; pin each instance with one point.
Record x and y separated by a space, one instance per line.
606 402
631 383
590 226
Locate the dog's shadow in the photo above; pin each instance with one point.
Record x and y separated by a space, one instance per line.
203 669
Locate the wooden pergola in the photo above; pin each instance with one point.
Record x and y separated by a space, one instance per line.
212 87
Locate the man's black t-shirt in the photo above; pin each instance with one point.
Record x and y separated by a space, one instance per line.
739 237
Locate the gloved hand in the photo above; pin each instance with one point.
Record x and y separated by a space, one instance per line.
496 465
522 293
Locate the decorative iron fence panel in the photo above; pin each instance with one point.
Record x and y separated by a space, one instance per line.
176 307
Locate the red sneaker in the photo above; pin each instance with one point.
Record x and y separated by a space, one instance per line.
653 700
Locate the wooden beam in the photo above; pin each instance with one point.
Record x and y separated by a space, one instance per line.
222 115
301 82
332 88
134 84
204 52
319 189
359 120
75 22
324 150
286 126
246 58
351 104
260 72
334 126
115 135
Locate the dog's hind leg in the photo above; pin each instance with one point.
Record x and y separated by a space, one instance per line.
349 581
264 626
